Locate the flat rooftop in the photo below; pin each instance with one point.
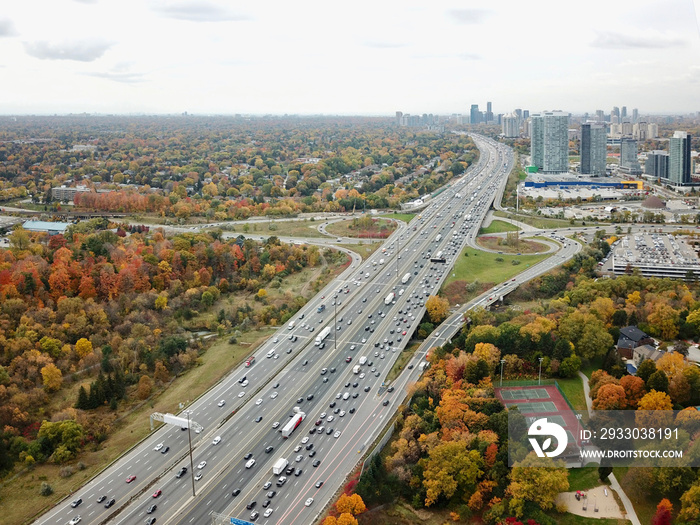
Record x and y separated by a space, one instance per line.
655 255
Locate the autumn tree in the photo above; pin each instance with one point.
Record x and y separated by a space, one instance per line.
653 401
690 506
488 353
145 387
610 397
663 513
352 504
53 378
83 348
437 308
538 480
450 467
161 373
634 390
346 519
663 321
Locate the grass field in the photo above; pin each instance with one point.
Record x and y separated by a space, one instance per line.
484 267
525 246
342 228
402 361
583 478
303 228
573 390
498 227
365 250
405 217
644 506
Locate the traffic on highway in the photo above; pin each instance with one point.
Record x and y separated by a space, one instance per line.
284 429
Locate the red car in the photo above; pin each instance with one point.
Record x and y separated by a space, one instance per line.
348 359
157 493
130 479
403 333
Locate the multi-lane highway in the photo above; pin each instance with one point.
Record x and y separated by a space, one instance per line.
318 379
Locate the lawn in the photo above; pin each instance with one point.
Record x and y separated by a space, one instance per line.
498 227
405 217
304 228
573 390
485 268
526 246
544 223
583 478
365 250
573 519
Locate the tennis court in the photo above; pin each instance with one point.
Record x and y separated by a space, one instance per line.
534 408
529 393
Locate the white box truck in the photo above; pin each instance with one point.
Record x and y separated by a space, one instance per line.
291 325
389 298
405 278
279 466
356 369
363 360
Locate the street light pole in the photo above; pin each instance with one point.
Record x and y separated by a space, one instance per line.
539 379
335 325
502 361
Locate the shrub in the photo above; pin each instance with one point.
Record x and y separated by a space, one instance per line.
46 489
65 472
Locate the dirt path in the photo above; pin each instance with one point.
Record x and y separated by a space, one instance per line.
314 276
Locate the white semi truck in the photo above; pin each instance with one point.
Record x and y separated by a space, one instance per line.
279 466
389 298
320 337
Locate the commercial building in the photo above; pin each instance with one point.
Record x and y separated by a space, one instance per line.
594 149
66 193
475 114
549 145
655 255
679 158
52 228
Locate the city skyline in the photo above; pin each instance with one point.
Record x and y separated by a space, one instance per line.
209 57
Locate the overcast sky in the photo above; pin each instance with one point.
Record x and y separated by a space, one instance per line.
370 57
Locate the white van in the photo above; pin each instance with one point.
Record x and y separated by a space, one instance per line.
270 353
291 325
250 463
363 360
401 292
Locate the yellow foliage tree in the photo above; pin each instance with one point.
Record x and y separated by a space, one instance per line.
437 308
671 363
53 378
262 293
145 387
489 353
346 519
352 504
330 520
83 348
161 302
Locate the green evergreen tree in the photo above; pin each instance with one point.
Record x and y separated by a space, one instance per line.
83 402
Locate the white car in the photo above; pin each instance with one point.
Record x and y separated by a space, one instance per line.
308 502
305 440
222 403
244 383
268 512
259 401
275 340
273 395
202 465
198 476
216 441
330 418
337 434
275 424
297 448
342 413
158 446
77 520
362 375
241 394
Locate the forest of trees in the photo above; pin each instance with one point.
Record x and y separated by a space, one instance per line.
226 168
107 310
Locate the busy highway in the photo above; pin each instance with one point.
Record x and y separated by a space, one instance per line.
330 361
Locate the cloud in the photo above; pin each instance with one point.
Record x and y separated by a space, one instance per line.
83 51
609 40
119 73
7 27
377 44
470 56
468 16
197 11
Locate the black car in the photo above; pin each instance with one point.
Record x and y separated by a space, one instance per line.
386 402
101 498
76 502
309 446
109 503
276 385
355 384
309 397
352 410
248 455
235 492
150 521
251 505
312 453
367 388
258 419
151 509
300 400
318 484
329 431
332 404
181 472
390 389
306 362
269 449
165 450
290 470
347 384
312 430
298 472
266 503
354 395
332 370
271 494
